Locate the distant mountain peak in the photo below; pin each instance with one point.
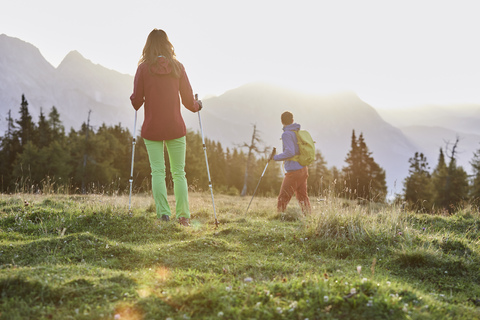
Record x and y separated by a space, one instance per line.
74 54
74 58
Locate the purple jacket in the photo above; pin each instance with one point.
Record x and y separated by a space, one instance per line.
290 148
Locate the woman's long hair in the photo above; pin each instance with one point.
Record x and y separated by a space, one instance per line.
158 45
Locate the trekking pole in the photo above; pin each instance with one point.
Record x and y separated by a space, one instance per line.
131 168
206 161
271 157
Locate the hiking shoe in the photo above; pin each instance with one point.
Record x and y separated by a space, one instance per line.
184 222
165 217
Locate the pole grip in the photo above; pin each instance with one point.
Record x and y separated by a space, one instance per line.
273 153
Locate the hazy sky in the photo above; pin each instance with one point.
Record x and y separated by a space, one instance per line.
391 53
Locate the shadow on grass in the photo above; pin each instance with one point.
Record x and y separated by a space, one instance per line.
64 298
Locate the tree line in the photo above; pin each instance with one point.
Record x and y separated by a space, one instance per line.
447 187
36 156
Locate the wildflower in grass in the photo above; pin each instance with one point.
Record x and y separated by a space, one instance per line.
248 279
359 269
370 303
279 310
353 291
405 309
388 283
364 280
220 314
228 288
325 298
293 305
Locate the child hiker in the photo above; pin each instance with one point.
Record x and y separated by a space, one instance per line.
296 175
159 83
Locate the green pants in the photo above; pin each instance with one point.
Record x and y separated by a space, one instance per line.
176 153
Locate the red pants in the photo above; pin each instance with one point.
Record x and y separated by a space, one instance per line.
294 182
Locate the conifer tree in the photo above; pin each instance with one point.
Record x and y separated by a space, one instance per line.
26 125
29 167
55 124
195 167
418 185
9 149
450 182
439 178
475 191
363 176
43 136
235 170
218 165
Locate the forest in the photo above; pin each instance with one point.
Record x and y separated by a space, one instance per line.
40 156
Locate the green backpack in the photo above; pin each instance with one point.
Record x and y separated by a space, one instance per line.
307 148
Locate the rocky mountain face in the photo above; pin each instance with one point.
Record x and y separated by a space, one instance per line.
77 85
74 88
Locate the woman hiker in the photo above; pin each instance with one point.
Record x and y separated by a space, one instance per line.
159 83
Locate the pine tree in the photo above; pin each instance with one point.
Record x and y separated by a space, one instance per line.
364 178
450 182
439 178
195 167
10 148
475 190
43 136
29 167
26 126
55 124
218 166
457 182
418 185
235 170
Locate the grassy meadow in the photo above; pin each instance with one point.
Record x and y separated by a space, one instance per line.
85 257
